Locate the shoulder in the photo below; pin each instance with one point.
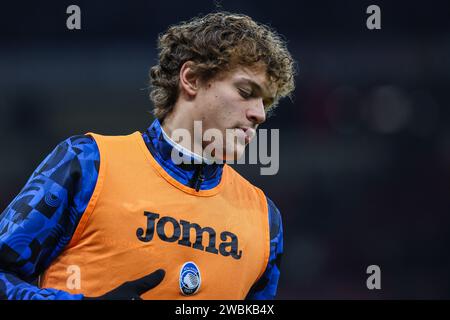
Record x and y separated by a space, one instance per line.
73 158
84 145
274 219
78 146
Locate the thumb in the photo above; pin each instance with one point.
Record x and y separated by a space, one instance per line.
147 282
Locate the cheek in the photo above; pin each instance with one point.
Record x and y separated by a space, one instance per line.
222 108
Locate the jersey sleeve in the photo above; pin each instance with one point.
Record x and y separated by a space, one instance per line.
40 221
266 287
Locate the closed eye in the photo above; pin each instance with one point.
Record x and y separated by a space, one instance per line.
245 94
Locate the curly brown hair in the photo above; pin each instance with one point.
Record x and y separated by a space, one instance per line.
216 43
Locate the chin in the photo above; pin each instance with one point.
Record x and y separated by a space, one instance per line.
234 154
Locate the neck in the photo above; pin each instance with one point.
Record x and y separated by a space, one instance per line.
196 173
174 127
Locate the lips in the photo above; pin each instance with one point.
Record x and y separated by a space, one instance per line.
249 133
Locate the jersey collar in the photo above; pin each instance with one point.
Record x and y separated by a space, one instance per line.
194 173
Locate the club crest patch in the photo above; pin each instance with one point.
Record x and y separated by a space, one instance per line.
190 278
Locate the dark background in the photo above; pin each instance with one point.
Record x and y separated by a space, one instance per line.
365 143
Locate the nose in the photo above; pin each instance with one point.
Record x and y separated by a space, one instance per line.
256 114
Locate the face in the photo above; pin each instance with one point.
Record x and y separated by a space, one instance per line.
234 105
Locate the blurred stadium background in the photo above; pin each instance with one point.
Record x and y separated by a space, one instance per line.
365 144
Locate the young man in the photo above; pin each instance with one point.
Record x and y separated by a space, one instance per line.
115 217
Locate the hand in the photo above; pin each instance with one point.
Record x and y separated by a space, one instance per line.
132 290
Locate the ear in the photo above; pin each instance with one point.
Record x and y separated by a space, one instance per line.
189 81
